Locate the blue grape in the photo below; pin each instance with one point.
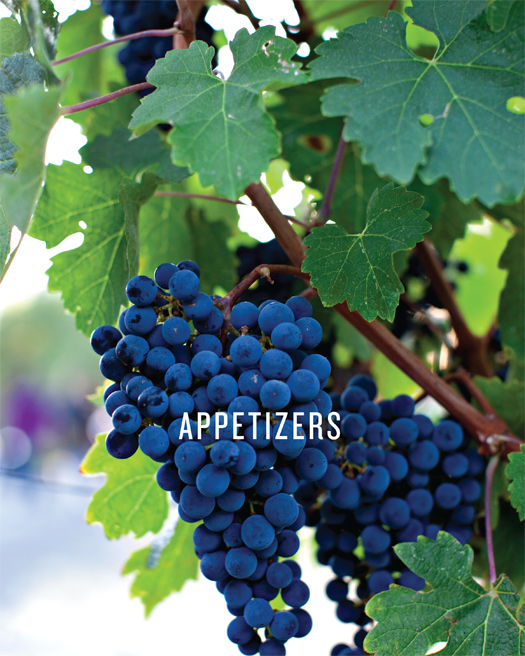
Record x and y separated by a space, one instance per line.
175 331
246 351
198 308
141 291
275 394
120 445
104 338
126 419
244 314
163 273
447 495
286 336
447 435
276 364
154 441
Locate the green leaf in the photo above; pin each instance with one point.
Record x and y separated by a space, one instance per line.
340 13
13 37
87 76
515 213
447 214
310 146
20 70
130 501
358 268
164 567
510 531
41 20
215 119
29 131
498 14
456 609
515 470
506 399
130 156
472 139
511 311
93 277
173 229
5 239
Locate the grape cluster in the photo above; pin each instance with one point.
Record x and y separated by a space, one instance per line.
392 476
130 16
177 355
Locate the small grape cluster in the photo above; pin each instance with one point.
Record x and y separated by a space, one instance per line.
177 355
130 16
392 477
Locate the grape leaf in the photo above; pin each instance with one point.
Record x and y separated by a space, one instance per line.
447 214
469 136
13 37
87 76
5 239
164 567
29 131
358 268
498 14
130 501
511 310
130 156
310 142
340 13
456 610
510 531
515 470
516 213
91 278
222 130
17 71
506 399
173 229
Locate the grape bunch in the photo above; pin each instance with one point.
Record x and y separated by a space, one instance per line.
131 16
391 477
224 403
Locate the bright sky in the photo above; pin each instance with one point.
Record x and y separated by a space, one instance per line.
26 276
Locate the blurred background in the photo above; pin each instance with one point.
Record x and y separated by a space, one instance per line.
61 591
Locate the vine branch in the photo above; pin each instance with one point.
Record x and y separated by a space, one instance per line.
326 207
482 427
87 104
473 346
121 39
187 194
242 9
188 12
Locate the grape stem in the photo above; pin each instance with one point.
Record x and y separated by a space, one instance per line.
87 104
187 194
474 347
261 271
391 6
326 207
242 9
480 426
121 39
220 199
489 477
188 12
463 377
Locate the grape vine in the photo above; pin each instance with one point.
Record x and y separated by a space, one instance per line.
400 139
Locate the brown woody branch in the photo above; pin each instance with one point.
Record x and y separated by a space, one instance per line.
474 347
480 426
